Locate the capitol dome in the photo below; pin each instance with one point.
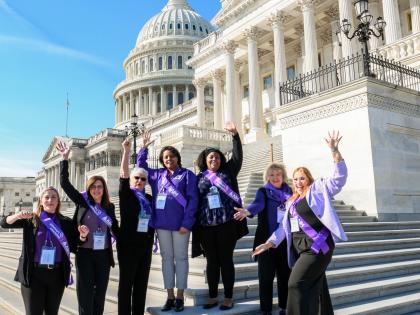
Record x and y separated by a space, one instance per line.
157 77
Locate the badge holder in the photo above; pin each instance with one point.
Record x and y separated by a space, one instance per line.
294 225
48 255
98 240
143 223
161 200
213 198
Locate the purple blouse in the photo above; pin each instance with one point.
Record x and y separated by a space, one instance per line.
41 235
93 222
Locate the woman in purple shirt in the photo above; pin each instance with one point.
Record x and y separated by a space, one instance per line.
44 266
269 204
175 199
311 227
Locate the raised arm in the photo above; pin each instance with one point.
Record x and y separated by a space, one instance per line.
235 163
124 172
16 220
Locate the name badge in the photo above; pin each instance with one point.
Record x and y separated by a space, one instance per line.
47 255
99 240
294 225
213 198
160 201
143 225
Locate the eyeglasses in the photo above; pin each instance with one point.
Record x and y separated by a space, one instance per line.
143 179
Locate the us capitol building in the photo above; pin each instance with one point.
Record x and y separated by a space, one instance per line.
278 69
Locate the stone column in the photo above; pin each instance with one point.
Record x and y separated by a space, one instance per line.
392 19
150 104
174 97
141 103
230 48
217 76
154 104
187 93
201 110
238 101
374 42
163 106
334 16
132 111
255 97
309 30
346 12
77 177
415 15
276 21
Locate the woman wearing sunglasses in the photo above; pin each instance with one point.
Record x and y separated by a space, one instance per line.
136 237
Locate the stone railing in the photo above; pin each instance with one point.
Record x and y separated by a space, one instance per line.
195 135
106 133
206 42
401 49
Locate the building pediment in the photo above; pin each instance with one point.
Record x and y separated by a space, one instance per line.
230 8
51 151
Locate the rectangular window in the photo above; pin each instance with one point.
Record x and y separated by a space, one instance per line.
160 63
291 72
16 194
268 82
179 62
409 22
319 60
246 91
28 194
169 62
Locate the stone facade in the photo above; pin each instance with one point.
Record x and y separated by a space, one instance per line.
16 193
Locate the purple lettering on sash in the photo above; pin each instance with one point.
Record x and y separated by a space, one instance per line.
219 183
59 235
318 238
170 187
100 213
142 199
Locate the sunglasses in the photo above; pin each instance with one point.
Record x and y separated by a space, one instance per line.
143 179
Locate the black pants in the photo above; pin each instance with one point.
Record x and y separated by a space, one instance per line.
134 263
273 263
45 292
218 243
308 288
92 269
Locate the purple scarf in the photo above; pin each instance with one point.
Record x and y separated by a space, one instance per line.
145 204
318 238
279 194
219 183
100 213
169 185
59 235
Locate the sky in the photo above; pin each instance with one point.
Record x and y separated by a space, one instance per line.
49 48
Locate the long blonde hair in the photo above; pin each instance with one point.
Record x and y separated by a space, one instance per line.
39 207
308 175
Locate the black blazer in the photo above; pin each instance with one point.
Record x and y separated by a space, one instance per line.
82 207
26 259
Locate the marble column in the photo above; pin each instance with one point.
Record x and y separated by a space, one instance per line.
77 176
116 111
309 30
334 16
346 12
415 15
132 111
154 104
392 19
229 48
276 21
125 107
141 103
187 93
201 110
163 98
238 101
174 96
374 42
217 76
255 96
150 105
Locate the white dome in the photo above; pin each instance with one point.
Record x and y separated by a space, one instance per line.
177 18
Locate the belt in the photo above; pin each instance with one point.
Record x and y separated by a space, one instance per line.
55 266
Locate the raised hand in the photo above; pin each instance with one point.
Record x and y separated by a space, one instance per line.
83 230
64 150
230 126
333 140
24 215
126 145
262 248
146 138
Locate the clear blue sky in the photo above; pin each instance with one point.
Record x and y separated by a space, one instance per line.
51 47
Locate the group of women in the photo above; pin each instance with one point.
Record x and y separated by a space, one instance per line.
296 232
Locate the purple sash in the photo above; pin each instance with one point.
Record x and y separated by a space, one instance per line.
100 213
219 183
318 238
142 199
59 235
170 187
279 194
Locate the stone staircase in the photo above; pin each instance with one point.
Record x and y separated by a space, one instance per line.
376 271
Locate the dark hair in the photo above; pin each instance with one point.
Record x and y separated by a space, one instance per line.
201 160
105 202
173 150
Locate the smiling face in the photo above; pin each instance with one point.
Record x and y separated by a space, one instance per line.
275 177
138 180
301 182
49 201
96 190
170 160
213 161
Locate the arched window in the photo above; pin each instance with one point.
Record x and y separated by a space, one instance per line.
151 64
171 26
170 100
179 62
201 29
163 26
178 26
180 97
194 27
190 95
187 26
207 31
189 67
160 63
169 62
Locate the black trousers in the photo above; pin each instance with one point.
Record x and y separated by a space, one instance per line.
134 263
218 243
308 288
45 292
270 264
92 269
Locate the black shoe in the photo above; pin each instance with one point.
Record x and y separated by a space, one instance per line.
170 303
210 305
225 307
179 305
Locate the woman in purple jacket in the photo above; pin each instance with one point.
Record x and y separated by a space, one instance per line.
311 228
269 204
175 200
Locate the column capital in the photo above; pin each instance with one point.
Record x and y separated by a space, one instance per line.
306 4
238 65
299 29
298 50
277 19
251 33
217 74
199 82
333 13
229 46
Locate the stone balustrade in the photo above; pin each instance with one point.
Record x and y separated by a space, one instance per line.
402 49
196 135
206 42
105 133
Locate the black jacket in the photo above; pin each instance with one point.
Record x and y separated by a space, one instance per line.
26 259
82 207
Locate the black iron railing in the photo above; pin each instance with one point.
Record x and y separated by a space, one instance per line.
346 70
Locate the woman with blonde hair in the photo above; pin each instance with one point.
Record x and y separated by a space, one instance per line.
311 228
94 258
269 204
44 266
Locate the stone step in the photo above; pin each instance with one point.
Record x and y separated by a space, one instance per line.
382 234
378 226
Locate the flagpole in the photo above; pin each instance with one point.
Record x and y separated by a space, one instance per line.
67 115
